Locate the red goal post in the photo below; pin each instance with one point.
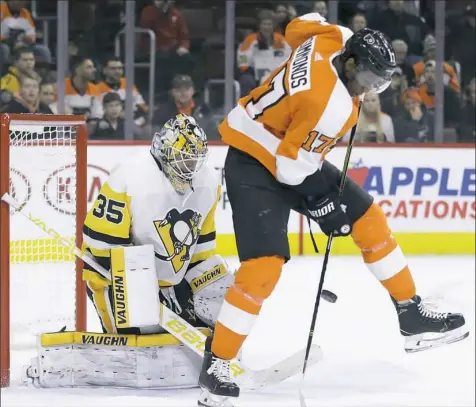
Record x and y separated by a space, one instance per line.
35 144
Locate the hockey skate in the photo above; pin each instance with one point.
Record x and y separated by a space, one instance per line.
216 380
424 328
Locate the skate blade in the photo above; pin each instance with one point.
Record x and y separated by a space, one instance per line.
207 399
418 343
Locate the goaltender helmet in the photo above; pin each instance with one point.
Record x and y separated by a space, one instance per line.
374 59
181 149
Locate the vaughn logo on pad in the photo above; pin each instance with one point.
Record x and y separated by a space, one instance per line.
106 340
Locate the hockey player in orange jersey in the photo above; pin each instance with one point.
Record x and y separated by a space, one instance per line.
279 136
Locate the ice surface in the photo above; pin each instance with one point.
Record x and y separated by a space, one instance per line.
364 361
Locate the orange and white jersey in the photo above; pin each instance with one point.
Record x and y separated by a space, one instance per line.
291 121
10 23
138 101
449 75
263 61
88 104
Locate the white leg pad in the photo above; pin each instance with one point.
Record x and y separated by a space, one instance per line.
135 287
82 359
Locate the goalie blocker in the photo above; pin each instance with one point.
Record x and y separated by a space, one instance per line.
136 353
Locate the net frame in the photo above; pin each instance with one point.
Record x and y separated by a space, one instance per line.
6 120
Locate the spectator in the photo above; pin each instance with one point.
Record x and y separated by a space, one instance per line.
115 82
48 96
81 93
18 30
111 126
401 50
426 90
374 126
260 53
182 101
399 24
461 43
414 124
358 22
27 99
429 53
284 13
390 98
23 65
467 128
321 8
172 42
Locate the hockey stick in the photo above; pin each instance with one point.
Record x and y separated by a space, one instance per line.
181 329
324 263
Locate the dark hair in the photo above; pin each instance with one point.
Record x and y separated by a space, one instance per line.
50 78
76 61
17 53
111 97
111 58
356 15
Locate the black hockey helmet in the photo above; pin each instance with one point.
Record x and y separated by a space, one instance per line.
374 58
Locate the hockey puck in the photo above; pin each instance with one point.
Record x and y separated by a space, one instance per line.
329 296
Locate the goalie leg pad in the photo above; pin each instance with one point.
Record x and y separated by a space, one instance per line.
81 359
135 288
209 281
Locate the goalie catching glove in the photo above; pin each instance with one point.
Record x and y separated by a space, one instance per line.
329 214
200 300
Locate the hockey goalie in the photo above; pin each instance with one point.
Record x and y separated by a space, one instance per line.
152 225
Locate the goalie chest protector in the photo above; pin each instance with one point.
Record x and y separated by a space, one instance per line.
174 224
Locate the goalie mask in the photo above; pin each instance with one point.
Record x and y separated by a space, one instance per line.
181 149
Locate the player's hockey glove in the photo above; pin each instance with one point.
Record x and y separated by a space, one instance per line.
330 216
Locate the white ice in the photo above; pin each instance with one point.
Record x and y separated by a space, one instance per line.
364 361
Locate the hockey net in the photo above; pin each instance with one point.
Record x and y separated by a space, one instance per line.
43 167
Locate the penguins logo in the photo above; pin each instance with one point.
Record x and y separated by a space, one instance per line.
178 232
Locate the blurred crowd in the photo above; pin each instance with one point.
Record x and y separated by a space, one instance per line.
189 62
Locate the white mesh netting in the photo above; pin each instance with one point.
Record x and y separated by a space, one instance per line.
42 274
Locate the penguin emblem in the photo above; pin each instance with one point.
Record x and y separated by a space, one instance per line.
179 232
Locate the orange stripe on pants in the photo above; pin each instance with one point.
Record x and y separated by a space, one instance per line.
382 254
254 282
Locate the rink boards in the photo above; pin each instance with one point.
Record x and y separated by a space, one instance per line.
427 193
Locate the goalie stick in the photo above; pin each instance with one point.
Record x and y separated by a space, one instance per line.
190 336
